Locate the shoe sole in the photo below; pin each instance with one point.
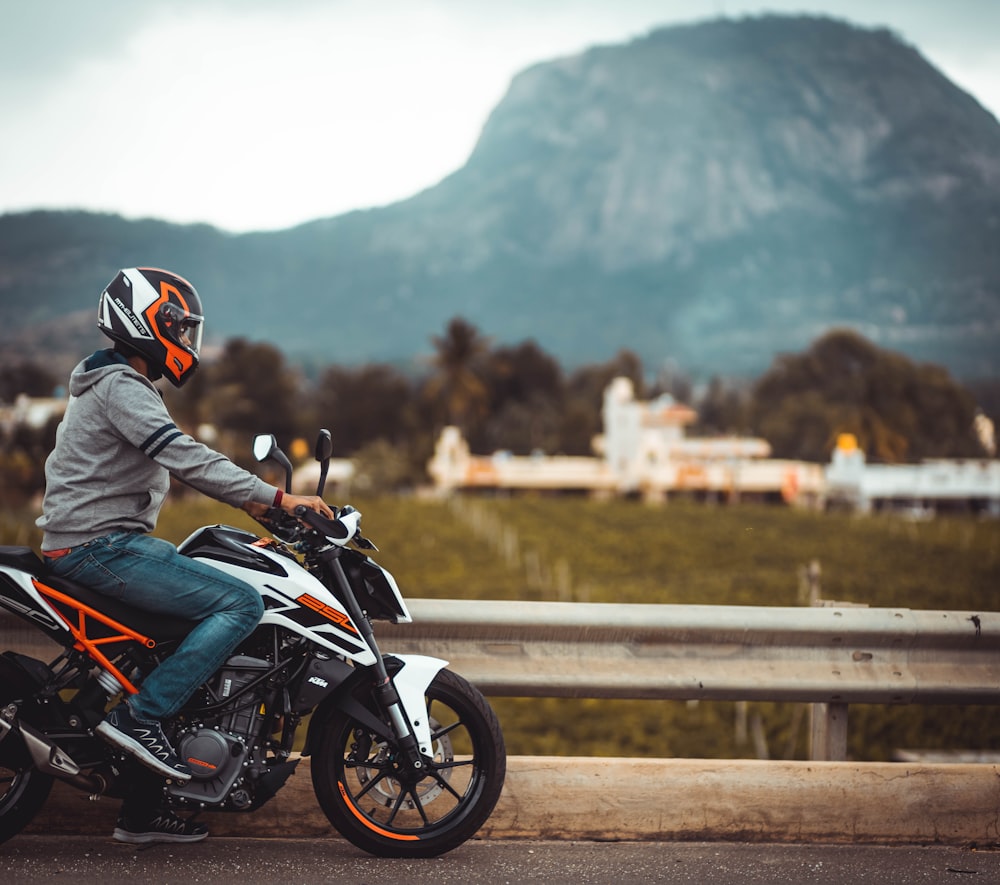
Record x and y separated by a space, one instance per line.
131 746
121 835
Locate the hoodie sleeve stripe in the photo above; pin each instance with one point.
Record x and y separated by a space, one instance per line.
166 441
147 443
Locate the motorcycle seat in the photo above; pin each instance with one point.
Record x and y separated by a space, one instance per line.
152 624
23 558
155 625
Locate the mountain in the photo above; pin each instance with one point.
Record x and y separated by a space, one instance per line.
706 196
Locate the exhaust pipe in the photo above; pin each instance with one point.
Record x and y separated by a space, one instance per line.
48 758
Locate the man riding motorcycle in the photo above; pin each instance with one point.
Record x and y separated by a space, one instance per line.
106 480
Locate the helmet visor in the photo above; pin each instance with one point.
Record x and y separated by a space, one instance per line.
183 328
190 333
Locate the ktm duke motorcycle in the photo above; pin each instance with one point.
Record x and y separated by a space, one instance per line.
408 759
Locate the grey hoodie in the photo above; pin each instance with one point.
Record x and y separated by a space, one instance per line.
115 451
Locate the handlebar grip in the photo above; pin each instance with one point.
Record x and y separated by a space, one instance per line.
332 528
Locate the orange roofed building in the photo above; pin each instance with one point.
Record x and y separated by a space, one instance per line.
643 451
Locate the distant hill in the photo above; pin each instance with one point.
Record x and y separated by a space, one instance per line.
706 196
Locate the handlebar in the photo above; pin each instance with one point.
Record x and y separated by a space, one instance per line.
343 530
331 528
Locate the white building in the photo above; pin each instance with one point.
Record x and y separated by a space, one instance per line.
31 411
643 451
919 488
453 467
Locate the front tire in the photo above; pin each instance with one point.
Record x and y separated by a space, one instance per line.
371 801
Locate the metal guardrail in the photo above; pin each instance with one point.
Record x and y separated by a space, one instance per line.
826 656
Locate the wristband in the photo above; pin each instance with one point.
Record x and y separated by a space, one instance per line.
278 495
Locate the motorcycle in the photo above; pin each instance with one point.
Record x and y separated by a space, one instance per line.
407 757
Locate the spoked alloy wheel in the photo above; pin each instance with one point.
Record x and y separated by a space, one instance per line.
368 794
23 788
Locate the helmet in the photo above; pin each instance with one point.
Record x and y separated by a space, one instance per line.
156 315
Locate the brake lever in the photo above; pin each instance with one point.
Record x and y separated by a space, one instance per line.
279 523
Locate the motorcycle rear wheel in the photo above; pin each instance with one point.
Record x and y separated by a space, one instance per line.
363 794
23 788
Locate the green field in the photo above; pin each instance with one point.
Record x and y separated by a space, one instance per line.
574 549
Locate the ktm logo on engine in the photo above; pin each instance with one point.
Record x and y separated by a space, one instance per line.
328 611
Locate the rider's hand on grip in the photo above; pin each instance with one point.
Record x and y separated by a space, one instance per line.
340 530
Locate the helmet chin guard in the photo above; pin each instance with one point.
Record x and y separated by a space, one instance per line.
157 315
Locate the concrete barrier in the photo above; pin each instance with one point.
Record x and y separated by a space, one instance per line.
662 800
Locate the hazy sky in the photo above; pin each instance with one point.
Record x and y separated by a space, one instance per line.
261 114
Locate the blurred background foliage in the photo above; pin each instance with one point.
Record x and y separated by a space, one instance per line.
574 549
518 398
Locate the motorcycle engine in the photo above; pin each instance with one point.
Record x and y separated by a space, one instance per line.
218 749
216 760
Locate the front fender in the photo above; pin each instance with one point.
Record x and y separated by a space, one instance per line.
411 674
411 685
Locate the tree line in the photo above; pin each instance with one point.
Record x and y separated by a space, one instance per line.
519 398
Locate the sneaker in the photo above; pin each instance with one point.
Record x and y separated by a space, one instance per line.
163 827
144 739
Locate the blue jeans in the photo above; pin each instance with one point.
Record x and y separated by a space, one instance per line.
148 573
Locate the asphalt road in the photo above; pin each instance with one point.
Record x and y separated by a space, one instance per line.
220 861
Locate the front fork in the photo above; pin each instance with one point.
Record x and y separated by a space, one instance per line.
401 698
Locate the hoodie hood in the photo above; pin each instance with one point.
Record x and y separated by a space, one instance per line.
97 366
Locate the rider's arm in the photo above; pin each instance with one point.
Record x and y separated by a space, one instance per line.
288 503
139 415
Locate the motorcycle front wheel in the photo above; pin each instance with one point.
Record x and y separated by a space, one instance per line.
367 796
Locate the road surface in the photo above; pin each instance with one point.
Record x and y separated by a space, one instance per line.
220 861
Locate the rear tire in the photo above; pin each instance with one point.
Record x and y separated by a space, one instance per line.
23 788
367 797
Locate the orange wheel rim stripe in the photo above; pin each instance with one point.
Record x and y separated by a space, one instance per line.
398 836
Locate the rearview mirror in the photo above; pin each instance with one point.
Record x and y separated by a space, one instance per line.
324 449
324 445
263 445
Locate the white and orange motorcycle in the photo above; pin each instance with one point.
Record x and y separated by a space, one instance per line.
407 758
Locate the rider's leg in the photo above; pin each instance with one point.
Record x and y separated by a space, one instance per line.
145 817
150 574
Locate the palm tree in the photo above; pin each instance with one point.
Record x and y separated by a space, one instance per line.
456 382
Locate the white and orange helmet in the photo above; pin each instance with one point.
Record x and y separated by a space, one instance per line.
157 315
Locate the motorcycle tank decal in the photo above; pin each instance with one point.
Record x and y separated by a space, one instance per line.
281 581
341 619
307 620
